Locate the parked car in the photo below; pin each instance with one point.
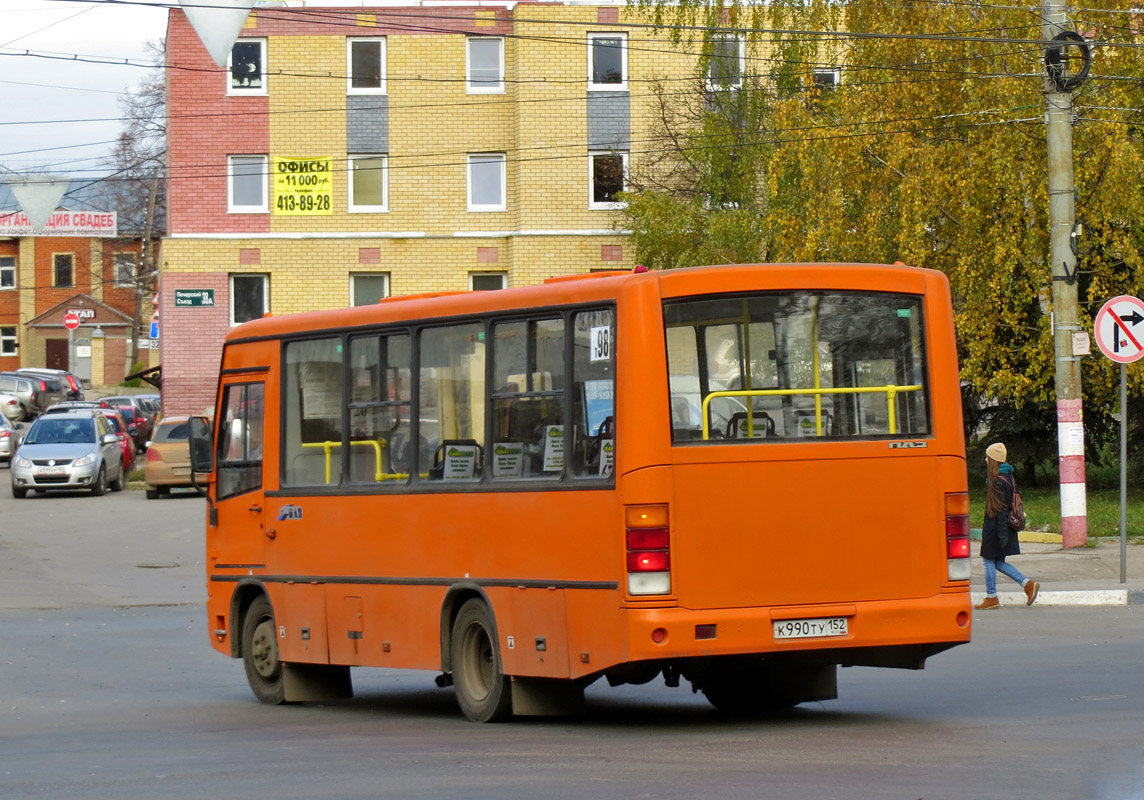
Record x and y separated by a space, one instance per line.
10 407
10 439
168 462
68 451
137 424
68 406
126 442
35 392
72 386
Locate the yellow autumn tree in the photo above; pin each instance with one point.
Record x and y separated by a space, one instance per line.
929 150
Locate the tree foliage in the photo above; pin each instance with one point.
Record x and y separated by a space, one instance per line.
930 151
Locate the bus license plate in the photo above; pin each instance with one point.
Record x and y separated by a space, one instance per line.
810 628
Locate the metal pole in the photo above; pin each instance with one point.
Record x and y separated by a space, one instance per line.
1123 473
1070 429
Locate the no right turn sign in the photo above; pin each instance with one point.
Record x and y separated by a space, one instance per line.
1119 329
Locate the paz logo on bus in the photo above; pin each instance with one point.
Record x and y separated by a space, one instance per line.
1119 329
289 512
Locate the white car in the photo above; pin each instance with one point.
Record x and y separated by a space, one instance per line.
10 407
10 439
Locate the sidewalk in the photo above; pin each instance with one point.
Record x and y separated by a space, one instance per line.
1080 576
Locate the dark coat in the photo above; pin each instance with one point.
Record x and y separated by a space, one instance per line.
994 528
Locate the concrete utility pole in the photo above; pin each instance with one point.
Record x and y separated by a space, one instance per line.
1059 85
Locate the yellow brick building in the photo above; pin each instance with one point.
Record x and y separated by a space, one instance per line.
351 153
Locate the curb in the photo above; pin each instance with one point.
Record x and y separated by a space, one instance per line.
1080 597
1038 537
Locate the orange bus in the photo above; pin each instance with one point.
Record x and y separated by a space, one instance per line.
741 476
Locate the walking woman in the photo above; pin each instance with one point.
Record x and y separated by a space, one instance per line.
998 540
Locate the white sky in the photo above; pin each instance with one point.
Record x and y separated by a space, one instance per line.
56 95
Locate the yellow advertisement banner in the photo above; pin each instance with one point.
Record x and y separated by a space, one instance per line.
303 186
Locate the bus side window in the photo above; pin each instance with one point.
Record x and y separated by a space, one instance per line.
593 394
240 440
379 407
312 429
451 396
528 400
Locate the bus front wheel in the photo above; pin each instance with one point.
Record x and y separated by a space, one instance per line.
483 691
260 653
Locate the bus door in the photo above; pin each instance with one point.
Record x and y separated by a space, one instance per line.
239 495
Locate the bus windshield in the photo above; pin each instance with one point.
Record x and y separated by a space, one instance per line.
776 366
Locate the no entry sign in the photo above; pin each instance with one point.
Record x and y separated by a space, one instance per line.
71 320
1119 329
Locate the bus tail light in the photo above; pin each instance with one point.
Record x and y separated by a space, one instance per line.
957 535
648 539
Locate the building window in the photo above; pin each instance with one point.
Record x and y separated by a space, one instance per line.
725 69
827 78
124 269
369 178
7 272
367 288
246 185
8 341
486 281
607 176
247 67
487 182
63 269
607 61
248 297
365 66
485 65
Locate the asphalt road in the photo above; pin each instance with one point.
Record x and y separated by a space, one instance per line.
110 690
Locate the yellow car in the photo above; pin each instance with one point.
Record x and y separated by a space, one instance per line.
168 463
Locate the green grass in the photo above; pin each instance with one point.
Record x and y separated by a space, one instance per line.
1043 504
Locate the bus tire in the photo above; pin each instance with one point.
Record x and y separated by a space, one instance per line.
260 653
483 691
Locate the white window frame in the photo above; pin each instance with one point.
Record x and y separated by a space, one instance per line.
9 343
503 280
238 91
622 86
503 161
483 88
265 291
231 208
355 275
118 278
592 178
714 87
835 73
367 208
8 266
383 55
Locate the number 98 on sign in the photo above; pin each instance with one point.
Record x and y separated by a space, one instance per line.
601 339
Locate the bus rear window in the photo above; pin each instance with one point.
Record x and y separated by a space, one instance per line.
777 366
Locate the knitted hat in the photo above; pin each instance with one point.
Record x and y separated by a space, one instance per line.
997 452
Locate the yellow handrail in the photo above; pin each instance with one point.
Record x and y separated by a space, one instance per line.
328 447
890 390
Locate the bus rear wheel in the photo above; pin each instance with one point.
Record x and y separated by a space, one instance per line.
260 653
483 691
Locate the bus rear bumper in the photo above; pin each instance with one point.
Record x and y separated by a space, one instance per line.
876 633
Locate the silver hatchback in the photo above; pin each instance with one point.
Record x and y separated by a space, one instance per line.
68 451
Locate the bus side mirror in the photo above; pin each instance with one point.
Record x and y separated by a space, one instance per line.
201 441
